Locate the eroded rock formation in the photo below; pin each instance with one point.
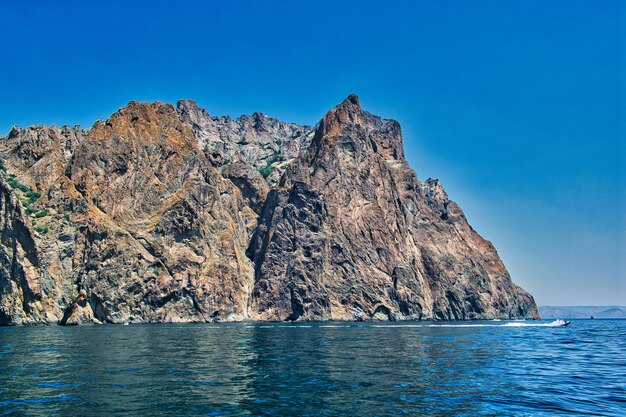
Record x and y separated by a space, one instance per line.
164 214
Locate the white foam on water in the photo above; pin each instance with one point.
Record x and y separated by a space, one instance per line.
556 323
512 323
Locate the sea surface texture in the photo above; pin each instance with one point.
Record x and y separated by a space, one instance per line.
319 369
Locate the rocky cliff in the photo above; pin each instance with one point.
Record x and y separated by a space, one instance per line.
168 214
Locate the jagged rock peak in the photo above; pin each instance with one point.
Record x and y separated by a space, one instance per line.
352 102
347 125
348 112
187 104
142 108
146 123
266 144
190 108
35 129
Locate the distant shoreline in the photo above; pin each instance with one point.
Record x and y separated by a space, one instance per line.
583 312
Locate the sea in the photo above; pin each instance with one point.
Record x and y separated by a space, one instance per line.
506 368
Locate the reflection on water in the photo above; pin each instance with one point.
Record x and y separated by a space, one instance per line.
314 370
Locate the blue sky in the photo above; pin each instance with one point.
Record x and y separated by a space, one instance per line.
516 106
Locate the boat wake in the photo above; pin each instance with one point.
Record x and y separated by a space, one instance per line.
555 323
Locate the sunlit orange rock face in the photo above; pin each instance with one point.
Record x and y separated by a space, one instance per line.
164 214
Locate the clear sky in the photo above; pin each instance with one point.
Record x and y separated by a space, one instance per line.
516 106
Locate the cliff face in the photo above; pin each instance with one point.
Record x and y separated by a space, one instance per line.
351 233
169 214
38 238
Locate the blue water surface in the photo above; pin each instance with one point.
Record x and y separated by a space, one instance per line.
316 369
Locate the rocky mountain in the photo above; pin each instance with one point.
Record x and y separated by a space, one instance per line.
168 214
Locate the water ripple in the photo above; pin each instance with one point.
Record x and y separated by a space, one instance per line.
327 369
